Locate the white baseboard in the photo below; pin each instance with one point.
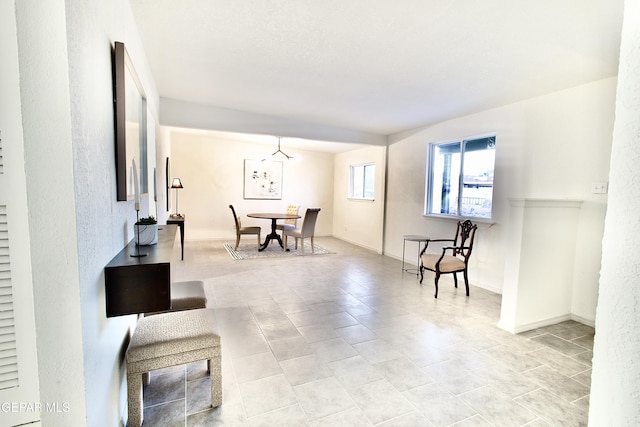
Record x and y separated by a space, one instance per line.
545 322
583 320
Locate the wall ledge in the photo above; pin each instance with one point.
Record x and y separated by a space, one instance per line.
545 203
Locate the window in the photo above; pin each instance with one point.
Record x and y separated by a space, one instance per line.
460 177
361 182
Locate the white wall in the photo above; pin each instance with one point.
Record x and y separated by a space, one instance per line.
615 382
359 221
552 147
76 224
212 170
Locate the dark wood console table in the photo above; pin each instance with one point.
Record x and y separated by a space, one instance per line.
141 285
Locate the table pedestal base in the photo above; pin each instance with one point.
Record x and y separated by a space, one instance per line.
267 241
271 236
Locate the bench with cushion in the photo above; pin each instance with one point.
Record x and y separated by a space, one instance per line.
170 339
186 296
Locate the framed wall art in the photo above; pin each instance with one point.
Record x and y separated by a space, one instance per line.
262 180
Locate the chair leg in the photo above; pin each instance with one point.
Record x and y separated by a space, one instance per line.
455 280
421 273
259 241
237 242
436 283
313 250
302 245
284 242
466 280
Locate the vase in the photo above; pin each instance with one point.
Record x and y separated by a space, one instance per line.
146 234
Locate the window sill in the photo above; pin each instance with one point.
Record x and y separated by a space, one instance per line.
482 222
358 199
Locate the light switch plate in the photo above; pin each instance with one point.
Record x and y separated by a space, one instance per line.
599 187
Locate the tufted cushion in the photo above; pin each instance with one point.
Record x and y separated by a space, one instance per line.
448 264
172 333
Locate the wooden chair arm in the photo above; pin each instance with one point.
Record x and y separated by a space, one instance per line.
454 250
426 244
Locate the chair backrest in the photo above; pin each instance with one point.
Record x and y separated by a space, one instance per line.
465 233
292 210
235 218
309 222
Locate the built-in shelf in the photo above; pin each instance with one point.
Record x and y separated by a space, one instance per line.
136 285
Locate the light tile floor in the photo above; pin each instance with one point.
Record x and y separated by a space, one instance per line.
349 339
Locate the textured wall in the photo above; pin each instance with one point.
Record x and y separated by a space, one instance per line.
76 224
615 380
50 194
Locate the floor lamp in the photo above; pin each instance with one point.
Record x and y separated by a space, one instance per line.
176 185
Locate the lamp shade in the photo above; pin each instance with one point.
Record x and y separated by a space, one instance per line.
176 183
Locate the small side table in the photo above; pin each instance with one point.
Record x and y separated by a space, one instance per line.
413 238
179 221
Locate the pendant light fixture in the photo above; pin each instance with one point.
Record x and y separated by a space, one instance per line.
281 152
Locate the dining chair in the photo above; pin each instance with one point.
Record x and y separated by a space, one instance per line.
289 224
457 261
240 230
307 229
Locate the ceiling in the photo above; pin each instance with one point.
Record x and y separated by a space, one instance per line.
375 66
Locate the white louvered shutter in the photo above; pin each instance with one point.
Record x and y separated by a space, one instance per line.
8 356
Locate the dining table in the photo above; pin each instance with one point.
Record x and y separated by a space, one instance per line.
274 217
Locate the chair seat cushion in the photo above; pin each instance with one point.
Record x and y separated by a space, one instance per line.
249 230
295 232
285 227
172 333
449 263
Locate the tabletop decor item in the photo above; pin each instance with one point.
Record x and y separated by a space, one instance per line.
146 231
177 185
136 204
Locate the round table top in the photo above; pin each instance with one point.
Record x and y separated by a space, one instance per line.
273 215
415 238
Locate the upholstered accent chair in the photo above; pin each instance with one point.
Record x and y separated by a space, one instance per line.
240 230
306 231
454 258
289 224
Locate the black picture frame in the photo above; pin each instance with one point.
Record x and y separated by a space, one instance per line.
168 183
130 119
262 180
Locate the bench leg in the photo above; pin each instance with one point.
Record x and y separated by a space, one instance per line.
215 374
134 399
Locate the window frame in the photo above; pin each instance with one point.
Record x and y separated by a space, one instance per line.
430 178
351 192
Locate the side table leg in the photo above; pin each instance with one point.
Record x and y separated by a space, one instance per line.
182 239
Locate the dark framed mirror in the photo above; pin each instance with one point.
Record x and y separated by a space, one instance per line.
130 125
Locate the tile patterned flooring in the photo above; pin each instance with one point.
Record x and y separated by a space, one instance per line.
349 339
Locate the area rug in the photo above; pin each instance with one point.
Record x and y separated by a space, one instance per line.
250 251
